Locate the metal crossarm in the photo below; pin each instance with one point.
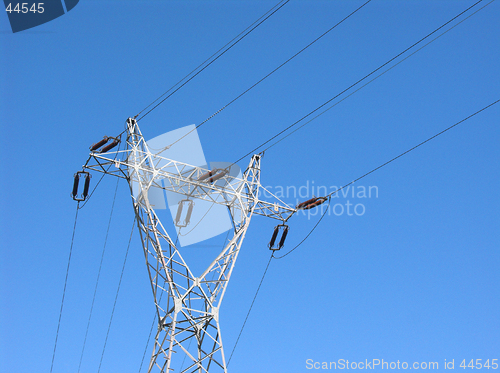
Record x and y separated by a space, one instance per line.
182 178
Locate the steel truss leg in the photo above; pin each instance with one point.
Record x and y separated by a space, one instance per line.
189 316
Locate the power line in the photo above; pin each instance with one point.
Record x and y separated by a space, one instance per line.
385 164
359 81
116 296
147 342
78 207
64 290
262 280
329 200
208 59
376 77
272 72
248 314
266 15
416 146
329 195
98 274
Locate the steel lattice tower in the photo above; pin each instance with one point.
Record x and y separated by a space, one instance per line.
187 306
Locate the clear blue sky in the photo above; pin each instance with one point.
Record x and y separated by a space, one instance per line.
414 278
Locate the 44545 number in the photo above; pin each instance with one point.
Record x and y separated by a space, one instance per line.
23 8
477 364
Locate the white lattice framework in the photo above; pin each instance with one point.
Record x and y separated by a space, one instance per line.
187 306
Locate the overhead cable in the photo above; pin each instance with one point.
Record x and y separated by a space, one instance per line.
385 164
362 79
64 289
116 296
376 77
272 72
416 146
248 314
98 275
229 45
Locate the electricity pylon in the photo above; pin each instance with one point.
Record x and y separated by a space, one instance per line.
187 306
